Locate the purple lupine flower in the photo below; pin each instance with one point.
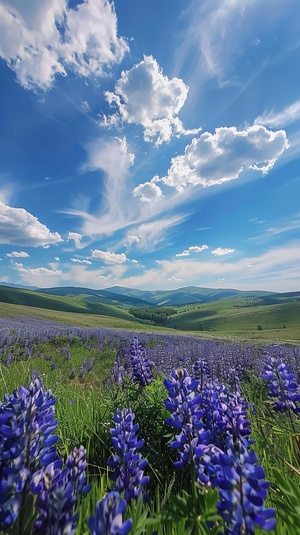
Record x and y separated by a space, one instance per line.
76 465
108 519
55 500
91 365
26 443
201 371
142 372
8 359
118 373
242 490
186 414
282 385
127 464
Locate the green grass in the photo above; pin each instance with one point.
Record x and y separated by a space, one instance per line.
225 318
71 318
84 411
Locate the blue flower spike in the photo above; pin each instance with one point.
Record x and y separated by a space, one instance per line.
108 519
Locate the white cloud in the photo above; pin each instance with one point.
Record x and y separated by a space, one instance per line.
289 115
193 249
212 159
18 254
217 51
148 192
132 238
184 253
113 211
79 261
42 38
76 237
174 279
221 251
111 156
275 270
19 227
197 249
85 106
108 257
151 234
39 276
144 95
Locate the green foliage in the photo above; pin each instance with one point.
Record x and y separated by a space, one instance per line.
193 511
158 315
84 411
286 499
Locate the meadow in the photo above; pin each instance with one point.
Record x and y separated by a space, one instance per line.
118 430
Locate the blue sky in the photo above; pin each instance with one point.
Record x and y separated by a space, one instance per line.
150 144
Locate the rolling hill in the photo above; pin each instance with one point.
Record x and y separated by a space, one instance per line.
210 311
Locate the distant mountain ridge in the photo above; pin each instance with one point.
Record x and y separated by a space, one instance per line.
123 297
186 295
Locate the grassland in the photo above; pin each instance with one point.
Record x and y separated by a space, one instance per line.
234 317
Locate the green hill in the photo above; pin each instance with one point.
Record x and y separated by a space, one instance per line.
255 315
65 303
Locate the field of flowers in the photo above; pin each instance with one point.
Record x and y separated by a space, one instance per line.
112 432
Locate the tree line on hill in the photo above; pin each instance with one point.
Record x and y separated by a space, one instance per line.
158 315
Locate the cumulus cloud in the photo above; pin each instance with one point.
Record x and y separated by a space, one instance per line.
79 261
76 237
212 159
144 95
18 254
108 257
289 115
148 192
221 251
42 38
19 227
193 249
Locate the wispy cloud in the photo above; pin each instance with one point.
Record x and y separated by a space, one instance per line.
149 235
285 226
39 276
280 119
217 50
277 269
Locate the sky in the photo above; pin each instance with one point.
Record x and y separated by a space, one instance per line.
150 144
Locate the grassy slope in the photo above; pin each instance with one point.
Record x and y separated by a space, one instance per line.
220 318
73 318
225 317
76 304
